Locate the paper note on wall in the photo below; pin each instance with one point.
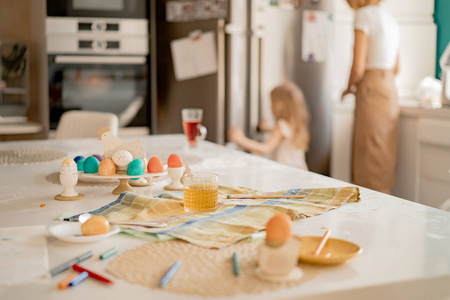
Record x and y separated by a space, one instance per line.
194 56
316 35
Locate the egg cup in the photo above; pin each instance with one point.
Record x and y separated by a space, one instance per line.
175 175
279 264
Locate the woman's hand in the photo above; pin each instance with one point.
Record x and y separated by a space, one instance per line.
349 90
236 134
345 93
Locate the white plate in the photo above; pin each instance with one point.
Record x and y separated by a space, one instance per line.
71 233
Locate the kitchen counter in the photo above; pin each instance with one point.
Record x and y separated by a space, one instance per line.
405 245
408 107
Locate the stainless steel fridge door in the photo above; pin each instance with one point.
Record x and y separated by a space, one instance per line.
169 96
281 59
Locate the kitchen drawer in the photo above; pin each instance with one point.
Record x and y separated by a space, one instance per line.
435 162
434 131
433 193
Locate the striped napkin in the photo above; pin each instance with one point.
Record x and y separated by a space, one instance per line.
234 220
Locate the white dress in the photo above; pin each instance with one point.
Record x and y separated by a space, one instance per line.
286 153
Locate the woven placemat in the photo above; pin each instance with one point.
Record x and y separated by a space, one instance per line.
54 178
203 272
28 156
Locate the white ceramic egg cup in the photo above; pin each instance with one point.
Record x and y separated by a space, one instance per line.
175 175
279 264
69 181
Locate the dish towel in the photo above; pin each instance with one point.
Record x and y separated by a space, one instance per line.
234 220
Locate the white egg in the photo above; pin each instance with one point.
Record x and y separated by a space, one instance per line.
122 158
68 167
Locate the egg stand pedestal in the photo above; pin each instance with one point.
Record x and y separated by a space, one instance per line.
71 198
148 183
123 184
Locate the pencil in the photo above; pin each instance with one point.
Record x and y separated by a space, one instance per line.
69 263
236 268
91 274
169 273
264 196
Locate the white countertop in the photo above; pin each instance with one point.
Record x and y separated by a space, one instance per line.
406 245
408 107
20 128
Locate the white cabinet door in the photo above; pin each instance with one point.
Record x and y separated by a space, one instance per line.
434 161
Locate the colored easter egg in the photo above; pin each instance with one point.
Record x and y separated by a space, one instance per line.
136 167
80 164
278 230
174 161
155 165
107 167
76 159
98 156
95 225
122 158
91 165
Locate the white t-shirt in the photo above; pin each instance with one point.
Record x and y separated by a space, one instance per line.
383 33
286 153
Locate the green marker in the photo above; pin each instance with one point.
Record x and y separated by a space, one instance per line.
236 268
109 253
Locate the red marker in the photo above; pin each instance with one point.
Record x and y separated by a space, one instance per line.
91 274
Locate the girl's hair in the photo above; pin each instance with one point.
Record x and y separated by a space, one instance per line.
356 4
288 103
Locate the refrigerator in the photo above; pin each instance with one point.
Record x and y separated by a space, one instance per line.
258 46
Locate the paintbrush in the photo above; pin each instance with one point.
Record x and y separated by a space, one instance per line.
264 196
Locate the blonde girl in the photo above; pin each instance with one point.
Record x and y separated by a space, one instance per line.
375 64
289 139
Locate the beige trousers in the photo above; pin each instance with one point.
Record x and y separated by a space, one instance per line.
375 131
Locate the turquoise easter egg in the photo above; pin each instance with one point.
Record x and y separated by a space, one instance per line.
91 165
80 164
136 167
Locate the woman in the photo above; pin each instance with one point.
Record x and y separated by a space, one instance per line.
375 63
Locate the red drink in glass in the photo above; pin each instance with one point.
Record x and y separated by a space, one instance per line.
191 131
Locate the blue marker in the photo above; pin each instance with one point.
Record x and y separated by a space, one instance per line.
166 278
79 278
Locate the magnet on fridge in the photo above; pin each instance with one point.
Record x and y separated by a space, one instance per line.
195 35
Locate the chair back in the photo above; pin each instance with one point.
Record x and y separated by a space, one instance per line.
76 124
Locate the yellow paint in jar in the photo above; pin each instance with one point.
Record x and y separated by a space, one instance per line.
201 192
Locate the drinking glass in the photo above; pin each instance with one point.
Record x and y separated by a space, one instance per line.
201 191
192 125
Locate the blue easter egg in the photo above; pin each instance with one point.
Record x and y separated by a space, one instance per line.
80 164
76 159
91 165
136 167
97 156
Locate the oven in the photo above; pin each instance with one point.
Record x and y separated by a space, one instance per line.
98 63
123 9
